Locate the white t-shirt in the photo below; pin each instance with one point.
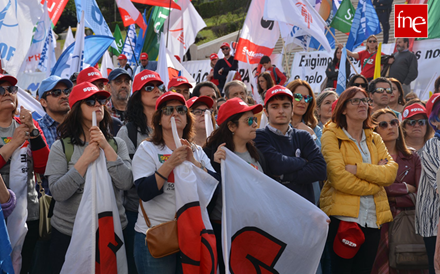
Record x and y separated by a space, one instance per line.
162 208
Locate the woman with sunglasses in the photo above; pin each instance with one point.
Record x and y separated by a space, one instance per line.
397 99
265 82
358 80
21 138
367 57
237 129
324 103
358 168
415 127
198 106
402 192
67 176
153 166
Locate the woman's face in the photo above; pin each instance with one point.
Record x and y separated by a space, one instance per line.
244 131
395 95
372 43
388 127
326 107
180 118
300 107
199 116
412 126
149 98
338 54
262 82
356 111
91 104
8 101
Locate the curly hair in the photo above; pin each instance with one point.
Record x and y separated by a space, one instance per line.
135 113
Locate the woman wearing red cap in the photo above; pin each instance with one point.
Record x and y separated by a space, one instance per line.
415 126
237 129
402 193
67 176
198 106
153 166
358 168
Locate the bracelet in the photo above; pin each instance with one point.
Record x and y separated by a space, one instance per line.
160 175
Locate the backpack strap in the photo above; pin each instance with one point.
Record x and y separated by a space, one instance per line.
132 134
277 80
68 147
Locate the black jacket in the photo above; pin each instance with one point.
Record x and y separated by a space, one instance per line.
332 73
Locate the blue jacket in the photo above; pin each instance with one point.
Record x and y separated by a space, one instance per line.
296 173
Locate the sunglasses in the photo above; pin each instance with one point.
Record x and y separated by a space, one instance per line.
298 97
92 101
392 123
382 90
357 101
251 120
11 90
170 109
225 48
363 85
57 92
198 111
372 41
149 88
412 123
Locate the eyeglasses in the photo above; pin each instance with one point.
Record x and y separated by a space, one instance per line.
170 109
412 123
363 85
382 90
92 101
198 111
251 120
57 92
225 48
151 87
357 101
119 81
11 90
392 123
298 97
372 41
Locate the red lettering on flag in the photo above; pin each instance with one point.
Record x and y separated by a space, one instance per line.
305 13
107 244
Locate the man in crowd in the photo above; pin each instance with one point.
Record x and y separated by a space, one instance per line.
234 89
119 86
180 85
380 90
292 156
54 98
210 77
122 59
383 10
224 65
207 89
145 64
404 65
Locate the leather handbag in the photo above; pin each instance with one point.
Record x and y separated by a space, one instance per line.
406 248
45 229
162 239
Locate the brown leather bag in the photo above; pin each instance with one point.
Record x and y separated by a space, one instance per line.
161 239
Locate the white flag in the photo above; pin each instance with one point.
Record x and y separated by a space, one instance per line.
97 212
106 64
77 58
298 13
17 21
48 58
69 39
266 227
184 26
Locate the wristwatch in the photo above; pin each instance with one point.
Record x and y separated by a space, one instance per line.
35 132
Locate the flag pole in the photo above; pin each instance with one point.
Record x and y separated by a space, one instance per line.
325 34
286 60
168 28
336 41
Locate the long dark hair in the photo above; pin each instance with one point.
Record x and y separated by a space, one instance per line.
72 126
335 59
223 135
135 113
269 82
401 99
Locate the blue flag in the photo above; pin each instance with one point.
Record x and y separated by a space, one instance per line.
95 46
130 44
5 247
365 23
314 44
342 75
140 39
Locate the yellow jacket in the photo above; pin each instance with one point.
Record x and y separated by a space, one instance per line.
342 190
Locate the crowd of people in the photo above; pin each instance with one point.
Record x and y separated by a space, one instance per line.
363 156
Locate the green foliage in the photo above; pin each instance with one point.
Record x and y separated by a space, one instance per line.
210 9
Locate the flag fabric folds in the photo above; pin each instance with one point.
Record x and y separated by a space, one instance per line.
106 65
97 244
344 17
130 14
342 74
252 243
129 45
69 39
56 9
154 30
76 63
92 16
377 61
5 247
96 46
433 19
298 13
118 40
365 23
140 39
48 57
257 40
158 3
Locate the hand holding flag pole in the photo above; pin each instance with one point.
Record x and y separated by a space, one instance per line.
336 41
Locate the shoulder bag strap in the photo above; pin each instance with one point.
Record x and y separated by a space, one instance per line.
147 220
368 59
227 62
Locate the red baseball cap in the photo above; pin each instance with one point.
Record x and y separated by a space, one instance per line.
213 56
122 56
178 81
334 104
412 110
168 96
144 56
348 240
277 90
202 99
83 91
234 106
144 77
90 74
431 102
8 78
224 45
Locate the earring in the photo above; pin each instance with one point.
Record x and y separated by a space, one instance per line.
232 133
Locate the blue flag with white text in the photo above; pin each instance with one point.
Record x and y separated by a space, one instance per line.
342 74
365 23
130 44
95 46
5 247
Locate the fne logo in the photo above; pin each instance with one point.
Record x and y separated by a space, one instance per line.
411 21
